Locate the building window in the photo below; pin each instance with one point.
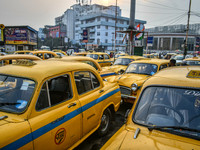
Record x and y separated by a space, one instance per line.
106 27
98 19
98 41
98 27
106 34
106 19
98 33
106 40
81 22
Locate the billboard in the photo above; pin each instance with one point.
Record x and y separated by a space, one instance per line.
85 36
20 36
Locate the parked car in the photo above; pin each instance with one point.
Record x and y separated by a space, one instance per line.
135 75
79 54
55 107
165 115
22 52
195 61
102 58
103 72
44 54
122 62
8 59
60 51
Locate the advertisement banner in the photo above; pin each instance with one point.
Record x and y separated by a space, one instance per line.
85 36
16 34
32 38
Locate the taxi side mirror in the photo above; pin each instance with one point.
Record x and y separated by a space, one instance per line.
121 71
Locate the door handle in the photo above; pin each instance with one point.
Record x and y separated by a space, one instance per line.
71 105
101 91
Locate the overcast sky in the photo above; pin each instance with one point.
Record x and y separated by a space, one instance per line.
37 13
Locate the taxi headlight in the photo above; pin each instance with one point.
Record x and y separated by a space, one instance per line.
134 87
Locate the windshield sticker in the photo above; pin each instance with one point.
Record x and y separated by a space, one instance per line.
154 66
21 105
24 86
192 93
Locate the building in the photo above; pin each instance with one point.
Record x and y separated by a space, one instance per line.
193 29
40 33
57 31
20 38
172 41
99 20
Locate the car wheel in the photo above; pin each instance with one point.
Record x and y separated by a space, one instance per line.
105 122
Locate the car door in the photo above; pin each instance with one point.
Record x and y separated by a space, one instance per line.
107 60
56 122
89 89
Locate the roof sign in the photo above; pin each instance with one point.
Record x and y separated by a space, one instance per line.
24 62
194 74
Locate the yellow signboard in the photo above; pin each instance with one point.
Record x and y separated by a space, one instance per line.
16 42
194 74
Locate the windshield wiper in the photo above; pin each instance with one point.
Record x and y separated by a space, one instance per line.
173 127
2 104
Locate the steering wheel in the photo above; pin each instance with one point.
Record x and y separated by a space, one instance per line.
169 107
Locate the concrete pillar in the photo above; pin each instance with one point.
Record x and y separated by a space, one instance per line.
171 40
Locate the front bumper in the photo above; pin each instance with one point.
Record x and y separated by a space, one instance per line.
128 96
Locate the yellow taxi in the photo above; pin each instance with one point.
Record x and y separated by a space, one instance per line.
135 75
8 59
103 72
120 55
195 61
22 52
55 107
44 54
102 58
148 55
59 51
79 54
165 115
122 62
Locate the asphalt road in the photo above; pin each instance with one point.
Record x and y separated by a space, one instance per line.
95 142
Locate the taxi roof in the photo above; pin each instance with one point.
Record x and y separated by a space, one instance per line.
99 53
23 51
132 56
77 58
43 69
50 52
151 61
193 58
19 56
175 76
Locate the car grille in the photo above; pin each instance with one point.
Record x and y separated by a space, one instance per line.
125 90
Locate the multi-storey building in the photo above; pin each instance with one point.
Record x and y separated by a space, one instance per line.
99 20
57 31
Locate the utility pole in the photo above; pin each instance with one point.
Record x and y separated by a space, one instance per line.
115 29
188 22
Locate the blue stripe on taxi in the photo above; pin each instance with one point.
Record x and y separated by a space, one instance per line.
39 132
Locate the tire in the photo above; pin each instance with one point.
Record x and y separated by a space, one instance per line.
105 122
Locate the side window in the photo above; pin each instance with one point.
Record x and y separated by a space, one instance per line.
101 57
163 66
59 90
106 56
85 81
90 63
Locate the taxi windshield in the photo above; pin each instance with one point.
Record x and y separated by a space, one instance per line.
15 93
94 56
142 68
178 57
170 107
123 61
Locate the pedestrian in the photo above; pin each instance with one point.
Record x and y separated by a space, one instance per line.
172 62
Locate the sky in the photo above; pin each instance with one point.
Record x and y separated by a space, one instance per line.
37 13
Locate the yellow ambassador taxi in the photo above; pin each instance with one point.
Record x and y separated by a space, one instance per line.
8 59
43 54
166 114
59 51
103 72
135 75
102 58
122 62
149 56
22 52
79 54
195 61
55 107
